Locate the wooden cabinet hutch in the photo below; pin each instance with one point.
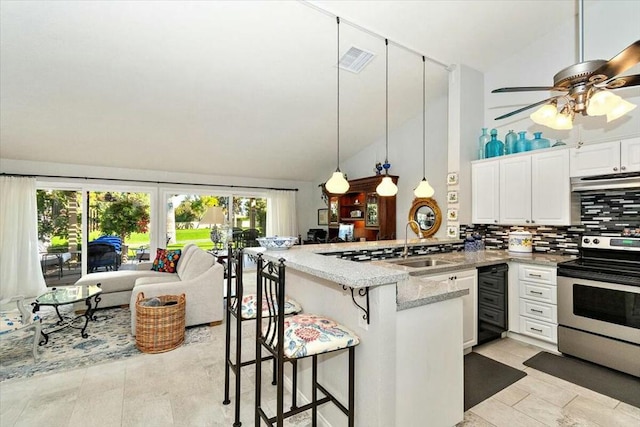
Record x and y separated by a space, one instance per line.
373 216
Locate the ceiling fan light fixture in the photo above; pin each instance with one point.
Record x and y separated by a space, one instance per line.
620 110
564 120
602 102
546 114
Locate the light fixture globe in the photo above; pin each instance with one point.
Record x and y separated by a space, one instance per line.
545 114
337 184
620 110
602 102
424 189
387 188
563 120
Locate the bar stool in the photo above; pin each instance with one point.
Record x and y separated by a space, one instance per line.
294 337
240 308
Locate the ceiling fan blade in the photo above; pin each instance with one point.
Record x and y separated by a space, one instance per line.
520 110
624 81
620 63
527 89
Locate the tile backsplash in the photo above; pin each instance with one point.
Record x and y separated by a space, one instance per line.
602 212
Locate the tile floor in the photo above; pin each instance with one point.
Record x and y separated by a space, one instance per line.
184 387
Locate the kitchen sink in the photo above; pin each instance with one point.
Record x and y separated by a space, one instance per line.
424 262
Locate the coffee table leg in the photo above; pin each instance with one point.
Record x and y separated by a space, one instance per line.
88 314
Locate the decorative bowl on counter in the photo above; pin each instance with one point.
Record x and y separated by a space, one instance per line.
277 243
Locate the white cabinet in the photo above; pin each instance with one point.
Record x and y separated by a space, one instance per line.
537 302
515 190
485 204
606 158
527 189
464 279
552 202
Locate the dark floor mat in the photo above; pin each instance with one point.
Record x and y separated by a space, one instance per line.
609 382
484 377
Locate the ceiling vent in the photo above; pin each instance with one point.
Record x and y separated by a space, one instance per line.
355 59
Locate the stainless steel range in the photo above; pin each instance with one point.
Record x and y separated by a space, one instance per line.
599 303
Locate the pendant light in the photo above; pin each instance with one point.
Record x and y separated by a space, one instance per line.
424 190
337 184
387 187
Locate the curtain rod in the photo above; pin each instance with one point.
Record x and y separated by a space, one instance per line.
374 34
148 182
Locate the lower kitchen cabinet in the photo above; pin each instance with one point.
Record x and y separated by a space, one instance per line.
533 301
465 279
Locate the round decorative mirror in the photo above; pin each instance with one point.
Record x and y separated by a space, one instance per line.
426 213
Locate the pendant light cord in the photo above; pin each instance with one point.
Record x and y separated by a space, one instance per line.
424 118
338 95
386 157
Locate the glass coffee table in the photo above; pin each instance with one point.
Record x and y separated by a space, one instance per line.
63 295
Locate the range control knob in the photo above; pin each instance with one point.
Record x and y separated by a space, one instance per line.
596 241
586 241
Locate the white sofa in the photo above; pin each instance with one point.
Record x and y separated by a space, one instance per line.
198 275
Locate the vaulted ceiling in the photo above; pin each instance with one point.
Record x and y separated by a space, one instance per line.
233 88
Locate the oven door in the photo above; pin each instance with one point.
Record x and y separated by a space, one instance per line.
607 309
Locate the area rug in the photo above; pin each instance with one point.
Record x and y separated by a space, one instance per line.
484 377
109 339
615 384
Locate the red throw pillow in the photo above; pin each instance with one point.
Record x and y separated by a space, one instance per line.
166 260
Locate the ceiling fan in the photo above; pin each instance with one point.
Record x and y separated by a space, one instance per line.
586 88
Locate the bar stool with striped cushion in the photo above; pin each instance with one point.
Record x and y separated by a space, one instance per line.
289 338
241 307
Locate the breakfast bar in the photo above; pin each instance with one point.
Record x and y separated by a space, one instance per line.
410 359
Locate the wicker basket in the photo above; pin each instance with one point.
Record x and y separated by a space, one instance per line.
161 328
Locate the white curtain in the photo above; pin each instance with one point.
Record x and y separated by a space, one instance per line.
282 219
20 271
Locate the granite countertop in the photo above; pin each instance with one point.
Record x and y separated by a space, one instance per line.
465 260
413 290
419 291
344 272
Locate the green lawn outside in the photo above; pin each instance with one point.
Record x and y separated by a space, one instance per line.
199 237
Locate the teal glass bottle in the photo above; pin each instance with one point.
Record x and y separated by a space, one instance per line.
510 142
494 147
482 141
538 142
522 144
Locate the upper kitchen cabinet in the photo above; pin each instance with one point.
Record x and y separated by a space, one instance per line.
515 190
606 158
532 189
485 199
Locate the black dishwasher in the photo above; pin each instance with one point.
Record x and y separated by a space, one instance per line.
492 302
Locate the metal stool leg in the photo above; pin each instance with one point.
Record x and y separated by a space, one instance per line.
314 390
238 372
352 386
227 356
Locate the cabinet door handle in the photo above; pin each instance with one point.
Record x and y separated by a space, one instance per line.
495 220
623 168
535 275
615 169
487 299
533 222
535 292
534 329
535 311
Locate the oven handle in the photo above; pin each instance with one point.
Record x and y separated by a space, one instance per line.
600 277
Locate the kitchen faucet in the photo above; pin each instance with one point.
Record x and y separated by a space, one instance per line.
405 252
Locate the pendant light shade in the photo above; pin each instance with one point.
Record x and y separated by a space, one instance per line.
337 184
424 189
387 186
